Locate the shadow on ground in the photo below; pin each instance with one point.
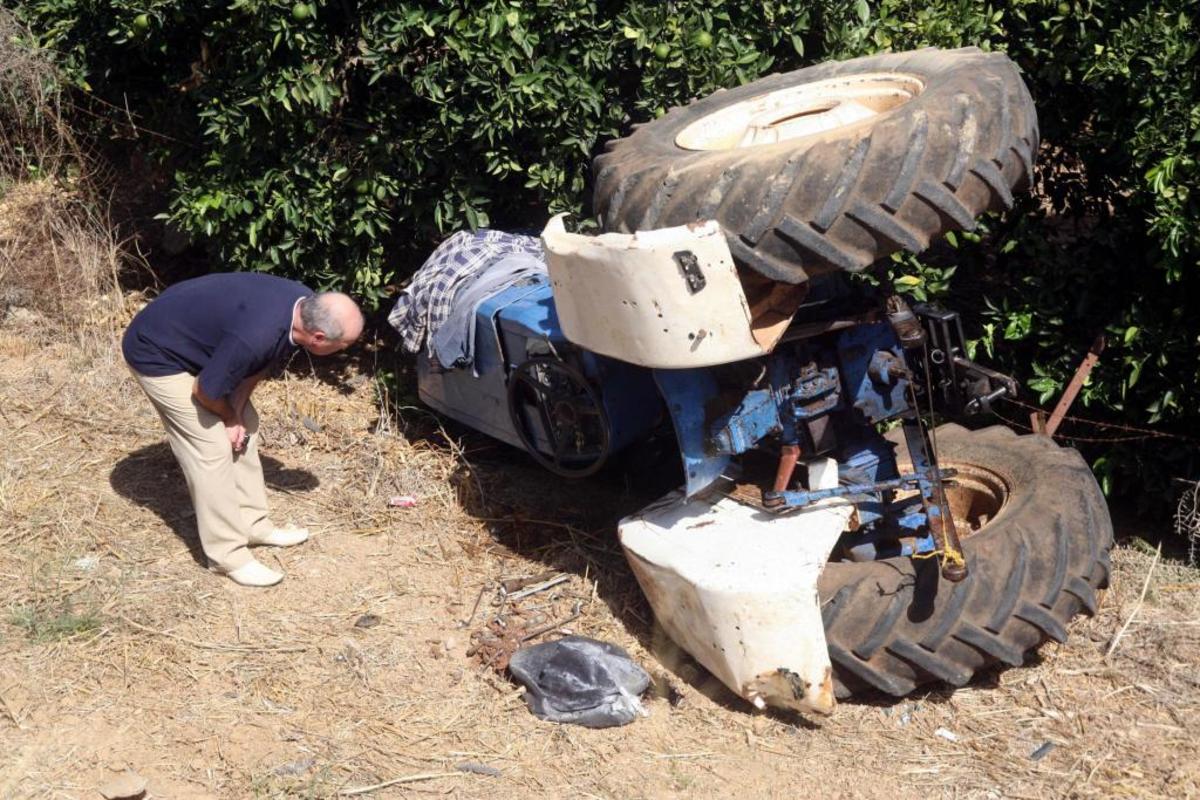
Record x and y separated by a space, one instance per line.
151 478
570 526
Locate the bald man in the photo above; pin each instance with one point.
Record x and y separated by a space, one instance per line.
198 350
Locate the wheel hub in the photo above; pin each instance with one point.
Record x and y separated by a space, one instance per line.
565 414
976 497
806 110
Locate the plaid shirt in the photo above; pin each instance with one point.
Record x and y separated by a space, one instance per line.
426 301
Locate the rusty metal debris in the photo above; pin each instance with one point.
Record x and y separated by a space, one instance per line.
538 587
576 610
511 585
1040 425
494 645
945 534
507 625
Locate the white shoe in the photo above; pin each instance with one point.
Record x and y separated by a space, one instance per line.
282 537
255 573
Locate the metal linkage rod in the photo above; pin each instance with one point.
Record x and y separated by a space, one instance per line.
915 480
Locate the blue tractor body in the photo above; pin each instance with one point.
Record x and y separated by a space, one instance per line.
511 328
821 392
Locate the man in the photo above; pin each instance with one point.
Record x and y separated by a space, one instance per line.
198 351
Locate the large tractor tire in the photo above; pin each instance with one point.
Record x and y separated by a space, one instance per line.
1037 538
834 166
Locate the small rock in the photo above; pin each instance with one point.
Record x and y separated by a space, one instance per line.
366 621
294 768
1040 753
478 769
87 563
310 423
126 786
948 735
450 643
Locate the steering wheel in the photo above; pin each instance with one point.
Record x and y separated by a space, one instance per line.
550 397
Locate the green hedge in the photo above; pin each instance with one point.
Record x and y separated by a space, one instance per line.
336 141
317 139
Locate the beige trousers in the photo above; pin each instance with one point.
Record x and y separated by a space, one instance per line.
227 489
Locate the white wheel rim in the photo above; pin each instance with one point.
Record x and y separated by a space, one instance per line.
811 109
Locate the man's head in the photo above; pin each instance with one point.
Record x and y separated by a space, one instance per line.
326 323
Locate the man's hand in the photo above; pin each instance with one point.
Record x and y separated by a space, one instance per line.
234 429
238 438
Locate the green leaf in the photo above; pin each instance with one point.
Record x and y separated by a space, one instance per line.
1018 327
1135 373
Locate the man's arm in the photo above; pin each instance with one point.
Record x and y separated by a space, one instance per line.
241 395
217 405
223 409
228 363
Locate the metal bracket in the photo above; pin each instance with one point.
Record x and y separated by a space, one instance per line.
963 385
690 265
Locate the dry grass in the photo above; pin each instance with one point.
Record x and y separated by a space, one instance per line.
58 257
117 650
58 253
34 137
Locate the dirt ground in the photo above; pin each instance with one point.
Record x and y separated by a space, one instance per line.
118 651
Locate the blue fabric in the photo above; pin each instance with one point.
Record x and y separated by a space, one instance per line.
223 328
453 343
427 301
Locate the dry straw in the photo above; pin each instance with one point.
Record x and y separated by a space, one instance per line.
59 256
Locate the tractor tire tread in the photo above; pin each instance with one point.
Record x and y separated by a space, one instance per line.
894 625
803 207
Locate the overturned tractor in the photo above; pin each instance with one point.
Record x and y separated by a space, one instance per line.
809 553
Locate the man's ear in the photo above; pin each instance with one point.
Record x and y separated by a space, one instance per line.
318 337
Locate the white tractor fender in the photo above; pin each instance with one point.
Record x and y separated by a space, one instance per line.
665 299
736 587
